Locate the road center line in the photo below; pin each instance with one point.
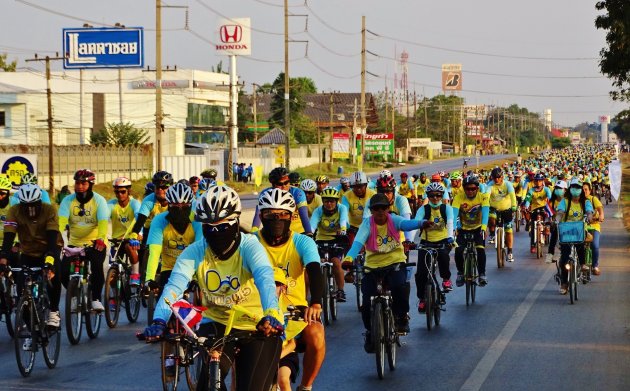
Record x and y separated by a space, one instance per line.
488 361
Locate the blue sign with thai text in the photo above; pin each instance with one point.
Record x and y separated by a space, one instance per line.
103 47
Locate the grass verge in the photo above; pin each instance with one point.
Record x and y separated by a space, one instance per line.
625 189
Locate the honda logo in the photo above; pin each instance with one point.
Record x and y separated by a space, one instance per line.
231 33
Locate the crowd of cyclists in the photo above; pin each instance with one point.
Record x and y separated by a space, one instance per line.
190 230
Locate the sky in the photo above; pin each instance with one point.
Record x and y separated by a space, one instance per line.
539 54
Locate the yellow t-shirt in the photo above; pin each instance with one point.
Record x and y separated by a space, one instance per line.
122 218
356 206
470 209
317 201
390 251
438 230
596 225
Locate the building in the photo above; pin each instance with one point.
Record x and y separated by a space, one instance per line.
83 102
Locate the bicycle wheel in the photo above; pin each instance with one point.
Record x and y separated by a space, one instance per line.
437 307
73 311
378 337
500 240
326 298
92 318
112 297
131 298
572 283
333 298
357 284
575 279
194 363
517 220
391 342
539 241
473 285
24 351
429 303
151 300
170 365
7 304
468 276
51 344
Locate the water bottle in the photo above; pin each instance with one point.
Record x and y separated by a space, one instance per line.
35 291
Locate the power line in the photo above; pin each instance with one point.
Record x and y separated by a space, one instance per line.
322 21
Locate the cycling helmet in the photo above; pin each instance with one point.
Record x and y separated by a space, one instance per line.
539 177
330 192
162 177
471 180
404 175
561 184
496 173
386 183
122 181
206 183
308 185
85 175
423 174
276 199
294 178
277 174
193 179
217 204
322 179
517 174
179 193
435 187
184 181
455 175
209 173
385 173
359 178
575 182
29 178
29 193
5 183
149 188
436 177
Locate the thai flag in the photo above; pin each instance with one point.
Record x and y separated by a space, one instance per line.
192 315
549 209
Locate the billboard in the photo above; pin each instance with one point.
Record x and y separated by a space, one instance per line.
376 144
341 146
235 37
451 77
14 166
103 47
418 142
604 119
475 112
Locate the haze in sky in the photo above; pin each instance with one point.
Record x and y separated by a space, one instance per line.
538 54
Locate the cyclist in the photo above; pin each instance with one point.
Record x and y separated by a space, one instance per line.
193 181
37 225
441 232
456 184
343 186
472 207
574 207
297 256
279 178
313 200
421 184
170 233
380 236
356 201
503 203
122 211
294 179
149 189
556 197
322 182
5 188
224 262
331 220
407 190
536 201
86 215
31 179
594 227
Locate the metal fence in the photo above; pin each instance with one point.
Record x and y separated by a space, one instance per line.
108 162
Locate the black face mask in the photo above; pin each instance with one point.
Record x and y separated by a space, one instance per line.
32 210
179 218
275 231
223 243
85 197
5 201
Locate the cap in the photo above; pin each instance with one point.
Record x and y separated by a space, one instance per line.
379 199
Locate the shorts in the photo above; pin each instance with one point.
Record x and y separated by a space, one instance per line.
291 361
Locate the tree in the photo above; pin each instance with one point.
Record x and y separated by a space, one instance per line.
120 135
622 126
560 142
615 58
7 66
298 87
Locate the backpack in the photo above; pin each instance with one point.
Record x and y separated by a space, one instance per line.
427 212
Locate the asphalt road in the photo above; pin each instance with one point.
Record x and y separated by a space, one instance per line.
521 334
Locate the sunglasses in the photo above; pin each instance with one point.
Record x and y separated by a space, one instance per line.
283 215
329 200
434 195
379 208
283 183
219 227
470 188
179 206
163 187
120 191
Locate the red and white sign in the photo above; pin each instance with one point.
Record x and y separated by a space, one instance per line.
451 77
604 119
235 37
341 146
378 136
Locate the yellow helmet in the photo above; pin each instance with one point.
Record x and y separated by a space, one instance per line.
5 183
330 192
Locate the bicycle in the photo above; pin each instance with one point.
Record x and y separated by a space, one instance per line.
329 299
470 267
499 241
118 291
517 219
8 300
357 269
434 297
31 330
78 297
539 234
572 233
385 338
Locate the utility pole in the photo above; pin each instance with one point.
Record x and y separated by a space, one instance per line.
407 104
287 123
415 114
158 85
49 121
363 120
255 115
331 129
426 119
354 130
394 124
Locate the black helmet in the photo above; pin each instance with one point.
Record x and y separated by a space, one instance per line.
85 175
294 178
471 180
277 173
209 173
162 177
496 173
149 188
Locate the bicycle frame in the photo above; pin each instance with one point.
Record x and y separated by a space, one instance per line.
470 267
434 296
329 300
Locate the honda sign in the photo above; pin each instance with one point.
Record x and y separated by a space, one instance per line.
234 37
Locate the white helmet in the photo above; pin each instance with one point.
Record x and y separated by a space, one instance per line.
216 204
344 180
179 193
359 178
308 185
561 184
435 187
385 173
29 193
121 181
276 199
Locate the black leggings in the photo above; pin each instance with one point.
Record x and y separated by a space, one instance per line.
422 272
255 357
54 290
96 267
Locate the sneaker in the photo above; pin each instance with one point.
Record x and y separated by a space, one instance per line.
134 279
422 307
491 239
459 281
402 325
97 306
53 319
341 296
585 268
564 289
483 281
596 271
532 250
447 286
28 344
368 346
510 257
549 258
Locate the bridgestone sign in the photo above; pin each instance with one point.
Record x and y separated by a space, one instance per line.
234 37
